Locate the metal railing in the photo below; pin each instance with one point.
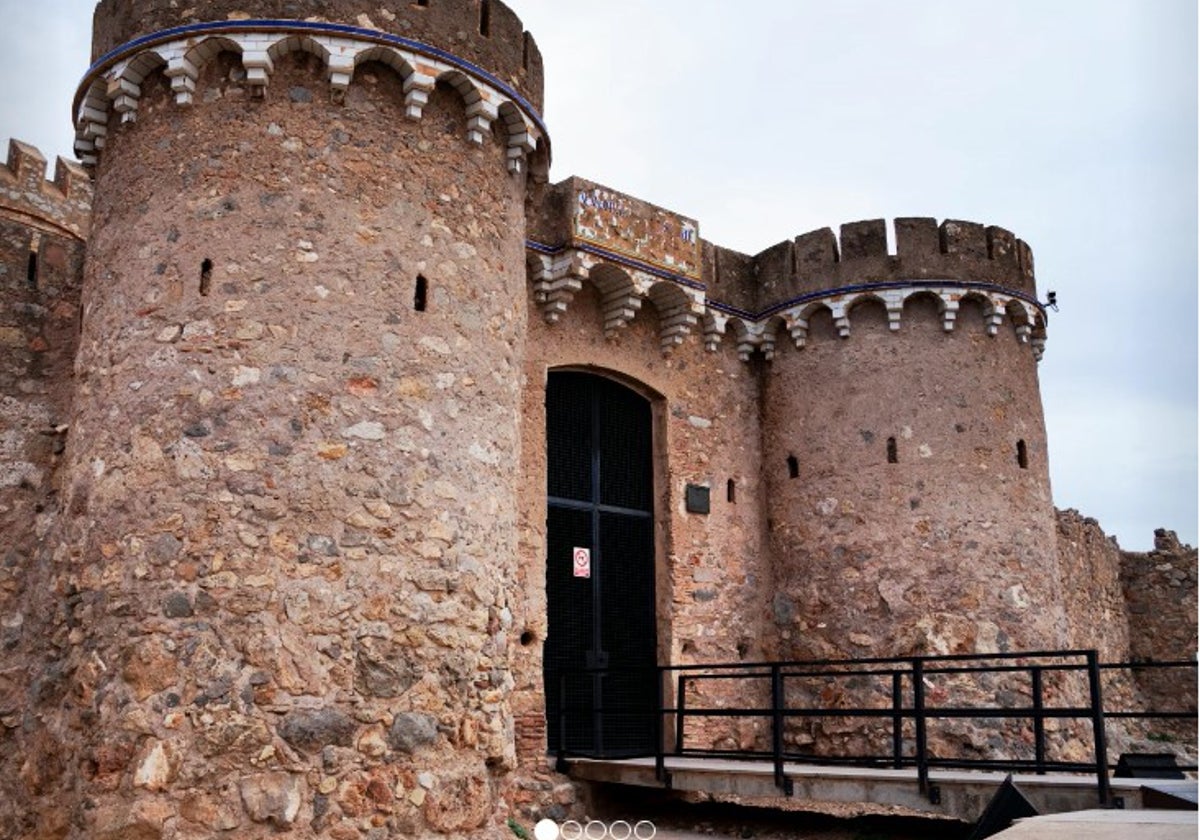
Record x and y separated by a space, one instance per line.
916 702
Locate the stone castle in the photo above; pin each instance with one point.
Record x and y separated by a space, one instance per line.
330 429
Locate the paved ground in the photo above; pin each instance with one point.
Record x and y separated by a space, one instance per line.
693 817
692 820
1105 825
743 824
963 793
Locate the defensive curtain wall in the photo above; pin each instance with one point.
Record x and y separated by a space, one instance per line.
279 551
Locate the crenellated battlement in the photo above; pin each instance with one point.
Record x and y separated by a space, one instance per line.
496 69
633 251
63 204
822 260
486 33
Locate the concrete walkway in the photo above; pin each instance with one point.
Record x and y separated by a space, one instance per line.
960 794
1106 825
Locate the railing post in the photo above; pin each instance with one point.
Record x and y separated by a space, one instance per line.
660 731
897 720
680 709
560 762
777 701
918 675
1039 721
1101 738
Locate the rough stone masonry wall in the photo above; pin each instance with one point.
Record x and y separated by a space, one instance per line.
1090 565
713 578
291 527
39 303
1160 596
950 549
1133 607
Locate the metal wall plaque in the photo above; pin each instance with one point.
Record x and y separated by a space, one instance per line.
697 499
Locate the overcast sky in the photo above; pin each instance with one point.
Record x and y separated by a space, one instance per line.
1071 123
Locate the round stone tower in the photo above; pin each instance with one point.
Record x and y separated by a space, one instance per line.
294 451
43 227
905 448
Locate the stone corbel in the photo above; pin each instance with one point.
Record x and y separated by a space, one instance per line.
341 72
124 96
520 147
259 67
620 305
556 283
841 318
995 317
949 312
750 339
895 310
714 329
1038 342
797 327
480 116
183 75
767 341
417 88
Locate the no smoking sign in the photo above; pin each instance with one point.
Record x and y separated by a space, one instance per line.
583 562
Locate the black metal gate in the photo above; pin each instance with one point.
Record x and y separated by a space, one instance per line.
600 498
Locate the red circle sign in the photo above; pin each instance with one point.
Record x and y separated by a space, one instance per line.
583 562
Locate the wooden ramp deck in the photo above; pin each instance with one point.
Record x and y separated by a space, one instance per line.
960 794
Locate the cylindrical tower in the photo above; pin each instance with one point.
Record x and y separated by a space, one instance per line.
43 226
905 447
295 445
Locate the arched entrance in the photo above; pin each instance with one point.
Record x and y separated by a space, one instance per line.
600 497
